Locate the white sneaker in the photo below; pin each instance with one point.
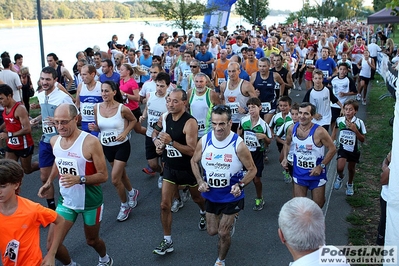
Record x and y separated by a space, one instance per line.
132 200
123 213
349 189
364 102
358 97
185 195
176 205
160 181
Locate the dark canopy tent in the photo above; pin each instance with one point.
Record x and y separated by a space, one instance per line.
382 17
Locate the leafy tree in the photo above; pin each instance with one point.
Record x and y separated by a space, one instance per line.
48 9
394 4
182 13
122 11
252 10
380 4
292 16
99 14
63 11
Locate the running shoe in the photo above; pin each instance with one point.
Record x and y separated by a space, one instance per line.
176 205
349 190
259 203
364 102
220 263
338 183
160 181
164 247
358 97
148 171
202 222
132 200
233 227
185 195
123 213
109 263
287 177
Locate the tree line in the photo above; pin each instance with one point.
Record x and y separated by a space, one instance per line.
27 9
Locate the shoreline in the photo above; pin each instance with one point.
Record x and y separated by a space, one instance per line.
8 24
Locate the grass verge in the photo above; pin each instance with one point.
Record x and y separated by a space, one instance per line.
365 202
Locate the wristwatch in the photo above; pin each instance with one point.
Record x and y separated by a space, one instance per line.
322 165
9 134
82 180
170 143
241 185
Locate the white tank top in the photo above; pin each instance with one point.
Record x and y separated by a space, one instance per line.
366 69
111 127
156 106
71 161
234 99
201 108
87 101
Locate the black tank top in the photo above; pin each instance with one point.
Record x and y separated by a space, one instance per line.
175 130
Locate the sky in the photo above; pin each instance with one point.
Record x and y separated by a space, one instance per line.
295 5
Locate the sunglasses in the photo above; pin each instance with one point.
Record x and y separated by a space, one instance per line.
146 49
193 66
222 108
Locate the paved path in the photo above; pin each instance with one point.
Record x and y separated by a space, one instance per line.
255 242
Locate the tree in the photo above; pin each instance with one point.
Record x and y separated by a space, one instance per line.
99 14
380 4
394 6
122 11
252 10
63 11
182 13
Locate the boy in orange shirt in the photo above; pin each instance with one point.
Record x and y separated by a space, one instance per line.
20 221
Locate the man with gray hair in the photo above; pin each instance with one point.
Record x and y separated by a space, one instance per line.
302 230
374 49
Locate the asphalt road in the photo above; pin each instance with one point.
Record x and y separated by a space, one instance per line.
255 242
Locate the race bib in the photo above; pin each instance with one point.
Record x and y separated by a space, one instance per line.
67 166
108 137
218 179
201 125
13 141
251 140
266 107
88 110
152 120
325 73
301 60
203 66
308 62
186 73
306 161
12 251
233 107
172 152
348 139
48 128
221 80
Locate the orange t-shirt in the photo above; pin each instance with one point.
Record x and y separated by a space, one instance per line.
220 68
251 67
20 239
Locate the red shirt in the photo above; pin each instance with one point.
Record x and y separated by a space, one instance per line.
13 125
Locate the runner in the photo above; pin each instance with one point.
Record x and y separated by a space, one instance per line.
351 133
222 189
16 131
257 136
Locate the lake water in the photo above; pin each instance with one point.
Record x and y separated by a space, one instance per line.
67 40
